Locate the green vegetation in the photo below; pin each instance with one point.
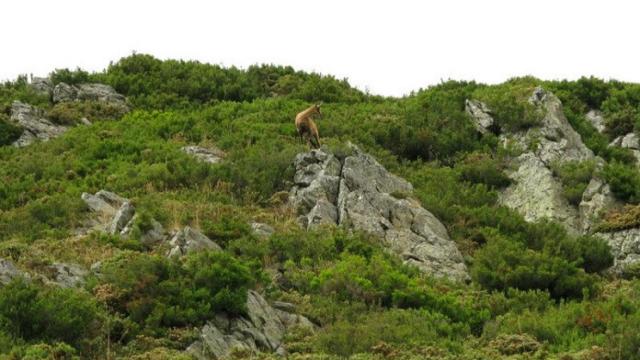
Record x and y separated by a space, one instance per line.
530 281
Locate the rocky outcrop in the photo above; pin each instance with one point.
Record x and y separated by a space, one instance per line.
42 85
595 118
625 247
358 193
261 330
116 215
35 126
189 240
629 141
480 114
8 272
535 192
208 155
88 92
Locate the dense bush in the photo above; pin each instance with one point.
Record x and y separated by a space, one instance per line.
8 132
624 181
155 292
32 313
575 176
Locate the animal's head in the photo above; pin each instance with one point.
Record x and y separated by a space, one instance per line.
316 108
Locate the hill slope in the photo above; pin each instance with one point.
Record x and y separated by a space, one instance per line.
522 176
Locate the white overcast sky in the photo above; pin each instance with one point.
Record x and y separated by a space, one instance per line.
388 47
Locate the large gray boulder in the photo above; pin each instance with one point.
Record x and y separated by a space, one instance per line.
189 240
35 126
261 330
480 114
597 200
64 92
360 194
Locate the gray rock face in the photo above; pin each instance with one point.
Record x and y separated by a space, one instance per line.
93 92
189 240
8 272
121 218
625 247
359 193
64 92
597 120
480 114
535 192
262 330
35 126
261 230
597 199
67 275
212 155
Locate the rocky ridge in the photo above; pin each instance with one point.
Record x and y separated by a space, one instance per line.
360 194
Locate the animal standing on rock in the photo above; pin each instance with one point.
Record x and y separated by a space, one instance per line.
307 127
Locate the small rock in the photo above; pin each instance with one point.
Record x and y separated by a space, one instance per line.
8 272
261 230
597 120
212 155
121 218
189 240
480 114
67 275
631 141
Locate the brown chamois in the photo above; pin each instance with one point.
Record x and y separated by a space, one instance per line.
307 127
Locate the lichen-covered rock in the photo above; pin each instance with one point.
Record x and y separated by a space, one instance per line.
597 199
480 114
358 193
42 85
625 248
208 155
535 192
35 126
8 272
261 330
121 218
64 92
66 275
629 141
189 240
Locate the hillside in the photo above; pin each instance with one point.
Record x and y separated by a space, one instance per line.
167 209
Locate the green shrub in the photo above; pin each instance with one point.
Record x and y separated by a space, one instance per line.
574 176
624 181
8 132
156 292
33 313
482 168
72 112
